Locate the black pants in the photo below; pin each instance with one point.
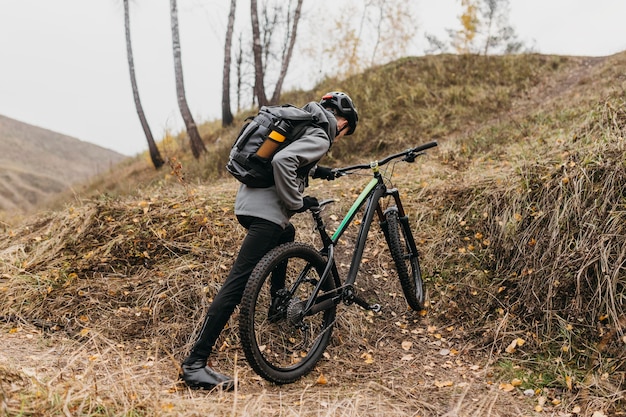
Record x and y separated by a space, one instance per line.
262 236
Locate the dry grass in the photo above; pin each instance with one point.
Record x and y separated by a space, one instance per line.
518 214
538 254
109 295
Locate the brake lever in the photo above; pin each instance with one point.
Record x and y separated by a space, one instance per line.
338 173
411 156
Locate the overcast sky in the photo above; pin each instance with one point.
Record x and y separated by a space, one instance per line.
64 65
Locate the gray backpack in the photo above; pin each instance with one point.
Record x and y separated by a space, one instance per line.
273 128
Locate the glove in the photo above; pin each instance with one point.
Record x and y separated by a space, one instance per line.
324 173
307 203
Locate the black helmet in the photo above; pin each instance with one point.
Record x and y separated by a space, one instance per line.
344 106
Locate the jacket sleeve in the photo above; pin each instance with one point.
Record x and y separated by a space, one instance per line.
309 149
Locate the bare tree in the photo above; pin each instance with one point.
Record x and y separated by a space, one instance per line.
498 34
378 31
261 49
257 52
484 29
239 67
155 155
292 30
197 146
227 115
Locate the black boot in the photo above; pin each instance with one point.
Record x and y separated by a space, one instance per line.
198 375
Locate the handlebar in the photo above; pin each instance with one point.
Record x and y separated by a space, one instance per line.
409 156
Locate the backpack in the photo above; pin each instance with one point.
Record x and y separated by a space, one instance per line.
261 137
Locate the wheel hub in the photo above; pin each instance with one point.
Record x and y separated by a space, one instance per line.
294 310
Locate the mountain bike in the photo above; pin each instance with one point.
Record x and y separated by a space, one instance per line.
289 305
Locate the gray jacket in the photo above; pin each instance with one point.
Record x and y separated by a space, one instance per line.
279 202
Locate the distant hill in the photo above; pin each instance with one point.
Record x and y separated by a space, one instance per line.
37 163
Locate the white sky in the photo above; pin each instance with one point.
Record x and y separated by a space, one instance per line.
63 63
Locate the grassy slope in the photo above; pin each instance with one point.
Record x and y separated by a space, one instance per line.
519 215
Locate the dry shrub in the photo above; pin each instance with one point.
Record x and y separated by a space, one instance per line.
561 237
541 255
129 269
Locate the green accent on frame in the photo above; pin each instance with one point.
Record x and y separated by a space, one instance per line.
355 206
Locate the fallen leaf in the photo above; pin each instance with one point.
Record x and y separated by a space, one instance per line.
506 387
511 347
443 384
321 380
367 358
406 345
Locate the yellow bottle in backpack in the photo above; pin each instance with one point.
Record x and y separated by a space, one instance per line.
275 138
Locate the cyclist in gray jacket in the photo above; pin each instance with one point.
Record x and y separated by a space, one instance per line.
265 213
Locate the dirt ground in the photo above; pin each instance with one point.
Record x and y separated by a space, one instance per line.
420 370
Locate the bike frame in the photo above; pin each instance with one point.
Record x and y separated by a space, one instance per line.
371 195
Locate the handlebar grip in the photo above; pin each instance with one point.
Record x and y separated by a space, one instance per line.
425 146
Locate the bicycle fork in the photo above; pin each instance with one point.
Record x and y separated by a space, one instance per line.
404 222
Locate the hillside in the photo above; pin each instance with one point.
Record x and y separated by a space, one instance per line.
36 164
519 216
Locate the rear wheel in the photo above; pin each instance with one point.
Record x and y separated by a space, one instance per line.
406 259
281 341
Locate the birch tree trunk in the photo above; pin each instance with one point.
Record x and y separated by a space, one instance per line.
227 115
155 155
197 146
257 52
287 56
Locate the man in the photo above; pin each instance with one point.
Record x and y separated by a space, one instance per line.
265 213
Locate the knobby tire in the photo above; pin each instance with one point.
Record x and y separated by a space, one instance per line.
406 260
279 343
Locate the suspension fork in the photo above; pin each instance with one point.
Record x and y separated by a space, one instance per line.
402 217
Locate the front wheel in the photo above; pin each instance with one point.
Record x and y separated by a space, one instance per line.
404 254
283 342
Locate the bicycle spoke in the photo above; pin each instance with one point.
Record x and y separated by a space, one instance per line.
280 341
